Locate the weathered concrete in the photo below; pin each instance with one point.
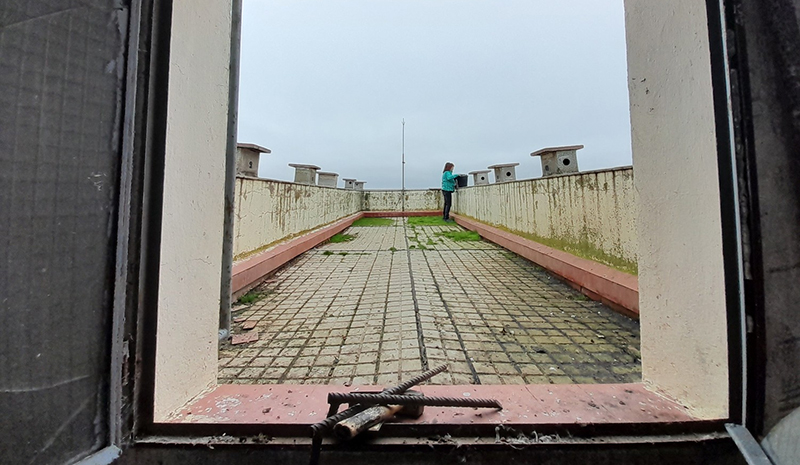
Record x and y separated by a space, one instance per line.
269 211
396 299
558 160
392 200
591 215
681 282
292 409
194 187
480 177
504 172
305 174
247 158
327 179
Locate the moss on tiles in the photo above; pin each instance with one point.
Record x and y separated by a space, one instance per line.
460 236
339 237
251 297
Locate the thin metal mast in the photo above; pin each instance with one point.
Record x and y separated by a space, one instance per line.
403 169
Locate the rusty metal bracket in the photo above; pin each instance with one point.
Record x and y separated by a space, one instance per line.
395 399
370 409
320 429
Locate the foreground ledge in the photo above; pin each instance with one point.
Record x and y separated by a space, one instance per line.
618 290
290 410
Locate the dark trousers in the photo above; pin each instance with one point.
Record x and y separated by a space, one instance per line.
448 201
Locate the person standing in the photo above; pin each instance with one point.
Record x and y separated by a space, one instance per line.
448 186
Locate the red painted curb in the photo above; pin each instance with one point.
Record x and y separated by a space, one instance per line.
618 290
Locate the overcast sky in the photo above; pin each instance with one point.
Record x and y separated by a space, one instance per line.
479 82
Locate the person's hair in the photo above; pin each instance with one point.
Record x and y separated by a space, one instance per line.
448 166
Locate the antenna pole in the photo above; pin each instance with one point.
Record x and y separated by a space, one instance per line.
403 168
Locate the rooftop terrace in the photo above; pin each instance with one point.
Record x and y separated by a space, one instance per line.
400 297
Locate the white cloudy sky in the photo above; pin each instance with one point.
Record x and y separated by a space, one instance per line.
478 82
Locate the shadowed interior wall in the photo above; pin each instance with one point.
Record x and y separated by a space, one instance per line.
773 52
681 282
194 183
591 215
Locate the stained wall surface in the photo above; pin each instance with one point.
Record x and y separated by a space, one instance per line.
681 283
592 214
392 200
269 211
194 190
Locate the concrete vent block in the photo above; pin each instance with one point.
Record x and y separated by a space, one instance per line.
327 179
247 156
359 185
504 172
349 183
305 174
480 178
559 160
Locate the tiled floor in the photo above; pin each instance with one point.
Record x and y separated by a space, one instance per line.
399 299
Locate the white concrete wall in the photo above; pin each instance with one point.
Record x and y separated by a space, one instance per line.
392 200
681 286
194 183
269 211
592 215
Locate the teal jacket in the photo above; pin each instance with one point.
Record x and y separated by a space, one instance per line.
449 181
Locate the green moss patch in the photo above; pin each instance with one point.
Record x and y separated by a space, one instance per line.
339 237
460 236
252 296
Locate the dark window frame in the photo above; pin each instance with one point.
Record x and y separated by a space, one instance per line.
136 297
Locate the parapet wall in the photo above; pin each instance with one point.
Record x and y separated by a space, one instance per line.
268 211
591 215
392 200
